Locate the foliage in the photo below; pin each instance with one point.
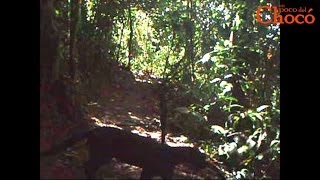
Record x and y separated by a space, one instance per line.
243 78
212 51
238 72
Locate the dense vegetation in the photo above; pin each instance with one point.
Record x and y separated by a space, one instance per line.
220 65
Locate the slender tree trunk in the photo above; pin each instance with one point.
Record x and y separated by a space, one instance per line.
189 30
163 111
130 38
120 41
49 42
74 22
75 10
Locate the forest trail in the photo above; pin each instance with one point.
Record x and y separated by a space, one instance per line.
221 69
133 105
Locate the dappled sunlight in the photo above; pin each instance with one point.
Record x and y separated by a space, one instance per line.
202 74
97 122
129 116
134 117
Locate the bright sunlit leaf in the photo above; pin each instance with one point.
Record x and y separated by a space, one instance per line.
262 108
218 129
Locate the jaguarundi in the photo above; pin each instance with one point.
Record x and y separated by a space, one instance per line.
154 158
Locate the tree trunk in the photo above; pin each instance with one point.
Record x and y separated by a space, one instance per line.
74 22
48 43
130 38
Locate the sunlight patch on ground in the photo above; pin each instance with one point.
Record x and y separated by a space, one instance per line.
171 140
175 141
92 103
97 122
142 132
134 117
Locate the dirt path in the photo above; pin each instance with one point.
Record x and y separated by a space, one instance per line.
134 106
131 105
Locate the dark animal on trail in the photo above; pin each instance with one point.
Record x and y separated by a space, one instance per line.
154 158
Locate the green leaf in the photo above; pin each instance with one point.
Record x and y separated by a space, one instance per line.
231 147
243 149
262 108
236 105
274 142
259 156
258 116
251 143
261 138
221 150
229 98
206 107
205 58
215 80
218 129
223 83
